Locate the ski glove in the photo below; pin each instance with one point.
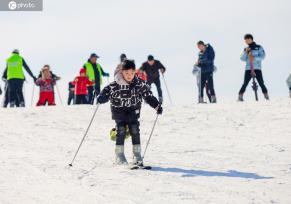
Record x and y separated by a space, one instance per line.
101 99
159 110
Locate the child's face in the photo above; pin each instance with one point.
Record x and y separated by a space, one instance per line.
128 75
82 74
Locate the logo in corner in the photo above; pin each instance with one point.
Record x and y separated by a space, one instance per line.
12 5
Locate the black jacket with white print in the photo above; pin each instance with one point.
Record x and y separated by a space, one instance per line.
126 100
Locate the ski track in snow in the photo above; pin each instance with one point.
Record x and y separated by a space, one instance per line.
220 153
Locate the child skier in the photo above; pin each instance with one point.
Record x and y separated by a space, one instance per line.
46 83
126 103
81 91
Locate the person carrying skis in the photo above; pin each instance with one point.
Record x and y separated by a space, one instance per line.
81 84
126 102
46 85
253 55
205 61
15 77
289 84
71 93
95 73
152 69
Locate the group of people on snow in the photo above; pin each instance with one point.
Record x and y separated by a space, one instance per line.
252 55
130 87
85 88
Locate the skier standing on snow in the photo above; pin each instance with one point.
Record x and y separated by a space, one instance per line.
253 56
95 73
126 108
46 82
152 68
289 84
15 77
81 84
206 63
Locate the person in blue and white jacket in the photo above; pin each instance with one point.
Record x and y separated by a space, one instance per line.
256 54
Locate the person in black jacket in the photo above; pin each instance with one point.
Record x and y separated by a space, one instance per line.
126 101
152 68
71 93
206 63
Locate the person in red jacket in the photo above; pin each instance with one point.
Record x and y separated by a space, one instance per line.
141 74
81 92
46 83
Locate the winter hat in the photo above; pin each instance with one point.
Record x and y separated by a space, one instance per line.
128 64
94 55
151 58
15 51
122 57
82 71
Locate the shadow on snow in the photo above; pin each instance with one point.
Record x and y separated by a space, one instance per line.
193 173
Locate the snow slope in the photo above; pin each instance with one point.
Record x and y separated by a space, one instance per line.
224 153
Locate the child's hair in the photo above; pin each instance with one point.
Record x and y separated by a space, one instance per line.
45 74
128 64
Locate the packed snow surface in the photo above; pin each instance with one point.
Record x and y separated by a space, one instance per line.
221 153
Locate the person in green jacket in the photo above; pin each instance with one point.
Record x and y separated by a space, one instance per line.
15 77
95 73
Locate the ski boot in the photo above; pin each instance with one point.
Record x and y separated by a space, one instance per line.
266 95
241 97
12 104
137 159
213 99
120 157
22 104
200 100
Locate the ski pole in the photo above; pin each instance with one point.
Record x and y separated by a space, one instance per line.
32 94
71 164
167 89
59 94
149 139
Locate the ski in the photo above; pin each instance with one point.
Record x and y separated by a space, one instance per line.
136 167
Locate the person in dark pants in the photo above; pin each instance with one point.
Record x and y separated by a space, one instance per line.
71 93
253 55
126 102
6 94
95 73
206 63
152 68
15 77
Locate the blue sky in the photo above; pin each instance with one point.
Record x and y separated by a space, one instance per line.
66 32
